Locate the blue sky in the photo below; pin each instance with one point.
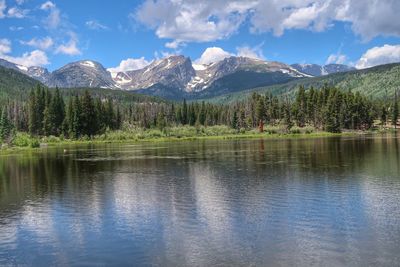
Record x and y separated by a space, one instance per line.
130 34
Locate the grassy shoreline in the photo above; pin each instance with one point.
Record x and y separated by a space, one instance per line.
25 142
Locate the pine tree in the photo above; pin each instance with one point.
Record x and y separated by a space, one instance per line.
69 118
331 114
5 126
395 112
260 111
88 115
110 115
33 114
234 123
300 107
76 122
288 115
47 122
383 114
57 110
118 119
192 115
202 114
184 113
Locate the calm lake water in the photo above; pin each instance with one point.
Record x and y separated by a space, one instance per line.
325 201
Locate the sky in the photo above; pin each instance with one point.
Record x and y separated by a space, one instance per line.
127 35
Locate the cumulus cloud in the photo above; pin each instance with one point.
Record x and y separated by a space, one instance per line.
41 43
47 5
95 25
174 44
34 58
130 64
5 46
54 18
336 59
251 52
213 54
70 48
192 20
16 12
379 55
204 21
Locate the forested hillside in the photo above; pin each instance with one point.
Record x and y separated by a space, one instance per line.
14 85
377 82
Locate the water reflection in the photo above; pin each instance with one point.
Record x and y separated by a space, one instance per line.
255 202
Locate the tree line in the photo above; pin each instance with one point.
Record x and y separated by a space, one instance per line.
47 112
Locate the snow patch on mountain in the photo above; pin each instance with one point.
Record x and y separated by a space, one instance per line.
88 63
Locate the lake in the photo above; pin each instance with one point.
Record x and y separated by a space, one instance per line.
323 201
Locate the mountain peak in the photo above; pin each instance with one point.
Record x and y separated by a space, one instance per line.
318 70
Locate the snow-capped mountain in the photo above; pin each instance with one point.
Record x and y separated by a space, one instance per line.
177 76
178 72
318 70
206 75
173 72
38 73
85 73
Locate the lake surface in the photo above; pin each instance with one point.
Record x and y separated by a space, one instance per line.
324 201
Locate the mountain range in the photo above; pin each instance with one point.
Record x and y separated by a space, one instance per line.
177 76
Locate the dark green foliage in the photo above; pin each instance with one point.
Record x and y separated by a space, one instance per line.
395 112
5 126
260 109
85 114
373 82
234 123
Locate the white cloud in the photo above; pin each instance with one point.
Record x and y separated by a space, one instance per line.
336 59
41 43
5 46
19 2
163 54
47 5
212 54
69 48
379 55
174 44
3 7
16 12
204 21
16 28
130 64
54 18
95 25
251 52
192 20
215 54
34 58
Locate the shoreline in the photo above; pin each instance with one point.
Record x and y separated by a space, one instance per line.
237 136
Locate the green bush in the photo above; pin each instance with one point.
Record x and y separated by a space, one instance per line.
51 139
308 129
295 130
272 129
25 140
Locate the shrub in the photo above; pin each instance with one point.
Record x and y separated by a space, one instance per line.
25 140
309 129
295 130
